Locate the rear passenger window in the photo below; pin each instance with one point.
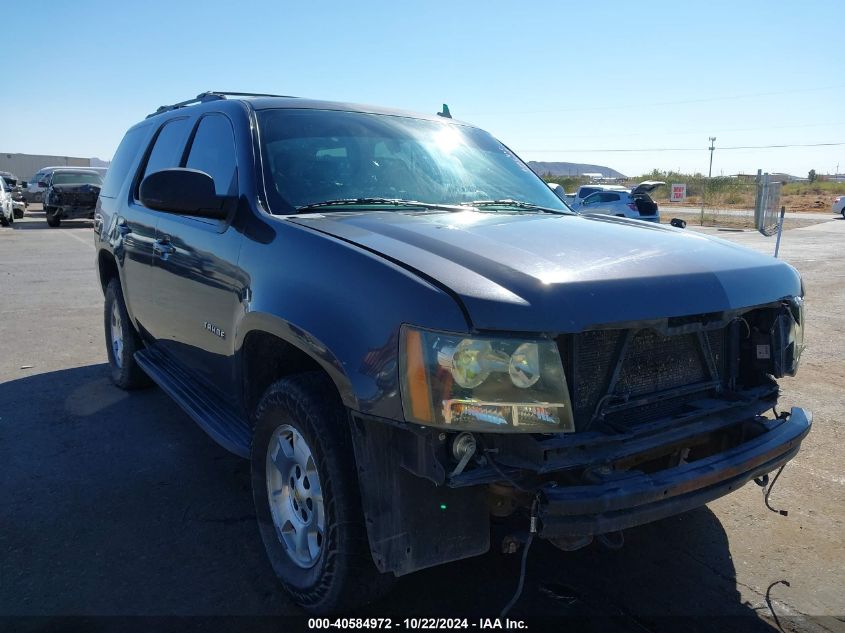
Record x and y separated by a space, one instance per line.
169 145
122 161
213 151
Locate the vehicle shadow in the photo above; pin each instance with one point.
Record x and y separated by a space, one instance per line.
117 503
675 574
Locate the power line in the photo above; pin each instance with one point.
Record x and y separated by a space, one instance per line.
681 149
628 106
689 132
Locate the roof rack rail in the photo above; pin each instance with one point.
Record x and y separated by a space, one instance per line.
214 95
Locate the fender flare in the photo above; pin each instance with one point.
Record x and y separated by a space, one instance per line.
302 340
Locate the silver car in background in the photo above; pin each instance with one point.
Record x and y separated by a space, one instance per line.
614 200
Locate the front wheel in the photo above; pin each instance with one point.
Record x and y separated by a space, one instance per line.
52 215
307 499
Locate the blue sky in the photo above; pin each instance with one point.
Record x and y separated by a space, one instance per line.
554 80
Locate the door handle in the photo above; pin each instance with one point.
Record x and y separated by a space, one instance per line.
162 247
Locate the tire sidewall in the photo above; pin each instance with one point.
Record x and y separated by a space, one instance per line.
119 374
295 578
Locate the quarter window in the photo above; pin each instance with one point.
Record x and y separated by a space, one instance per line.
213 151
168 147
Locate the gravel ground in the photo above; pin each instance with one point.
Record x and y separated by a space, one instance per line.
117 504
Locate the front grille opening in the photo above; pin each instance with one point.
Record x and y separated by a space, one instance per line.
658 373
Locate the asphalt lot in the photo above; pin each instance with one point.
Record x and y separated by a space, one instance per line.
117 504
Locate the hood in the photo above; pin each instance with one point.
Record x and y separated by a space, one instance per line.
566 273
647 186
77 187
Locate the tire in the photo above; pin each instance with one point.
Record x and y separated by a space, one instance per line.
843 213
123 368
52 219
338 574
4 221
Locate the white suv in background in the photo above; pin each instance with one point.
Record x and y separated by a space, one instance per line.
839 205
635 203
7 211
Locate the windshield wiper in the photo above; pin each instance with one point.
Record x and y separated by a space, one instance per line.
516 204
393 202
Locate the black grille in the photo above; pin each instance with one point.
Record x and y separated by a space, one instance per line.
651 363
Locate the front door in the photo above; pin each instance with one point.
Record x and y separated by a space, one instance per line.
197 284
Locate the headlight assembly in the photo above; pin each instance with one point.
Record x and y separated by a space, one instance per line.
479 383
788 338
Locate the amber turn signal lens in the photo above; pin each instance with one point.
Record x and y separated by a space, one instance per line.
419 391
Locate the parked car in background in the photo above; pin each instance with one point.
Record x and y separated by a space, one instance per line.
636 203
839 205
560 192
70 193
585 191
7 213
34 192
13 183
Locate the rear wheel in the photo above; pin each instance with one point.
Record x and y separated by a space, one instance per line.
307 499
122 341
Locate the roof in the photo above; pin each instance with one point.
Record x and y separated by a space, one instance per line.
270 102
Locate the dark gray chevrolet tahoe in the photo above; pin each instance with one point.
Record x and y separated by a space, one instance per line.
408 333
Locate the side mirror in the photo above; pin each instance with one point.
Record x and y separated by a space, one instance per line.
42 183
183 191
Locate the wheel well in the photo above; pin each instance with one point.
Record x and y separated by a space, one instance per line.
107 267
267 358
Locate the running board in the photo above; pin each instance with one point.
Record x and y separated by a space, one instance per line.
215 417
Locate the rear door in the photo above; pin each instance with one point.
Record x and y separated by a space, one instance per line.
197 283
603 202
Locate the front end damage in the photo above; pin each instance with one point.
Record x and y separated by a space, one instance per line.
73 202
668 415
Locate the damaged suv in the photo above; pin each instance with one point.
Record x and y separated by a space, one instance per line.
408 333
70 194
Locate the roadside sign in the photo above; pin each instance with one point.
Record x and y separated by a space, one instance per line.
678 193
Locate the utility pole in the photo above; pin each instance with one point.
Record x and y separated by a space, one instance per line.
709 175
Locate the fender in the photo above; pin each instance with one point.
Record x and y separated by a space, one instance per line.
304 341
353 301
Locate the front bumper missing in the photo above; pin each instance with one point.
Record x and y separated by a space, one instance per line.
625 500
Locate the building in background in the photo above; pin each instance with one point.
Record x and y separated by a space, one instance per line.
24 166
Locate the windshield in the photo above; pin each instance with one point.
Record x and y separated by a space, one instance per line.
77 178
314 156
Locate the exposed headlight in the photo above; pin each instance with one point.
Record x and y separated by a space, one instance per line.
482 383
788 338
